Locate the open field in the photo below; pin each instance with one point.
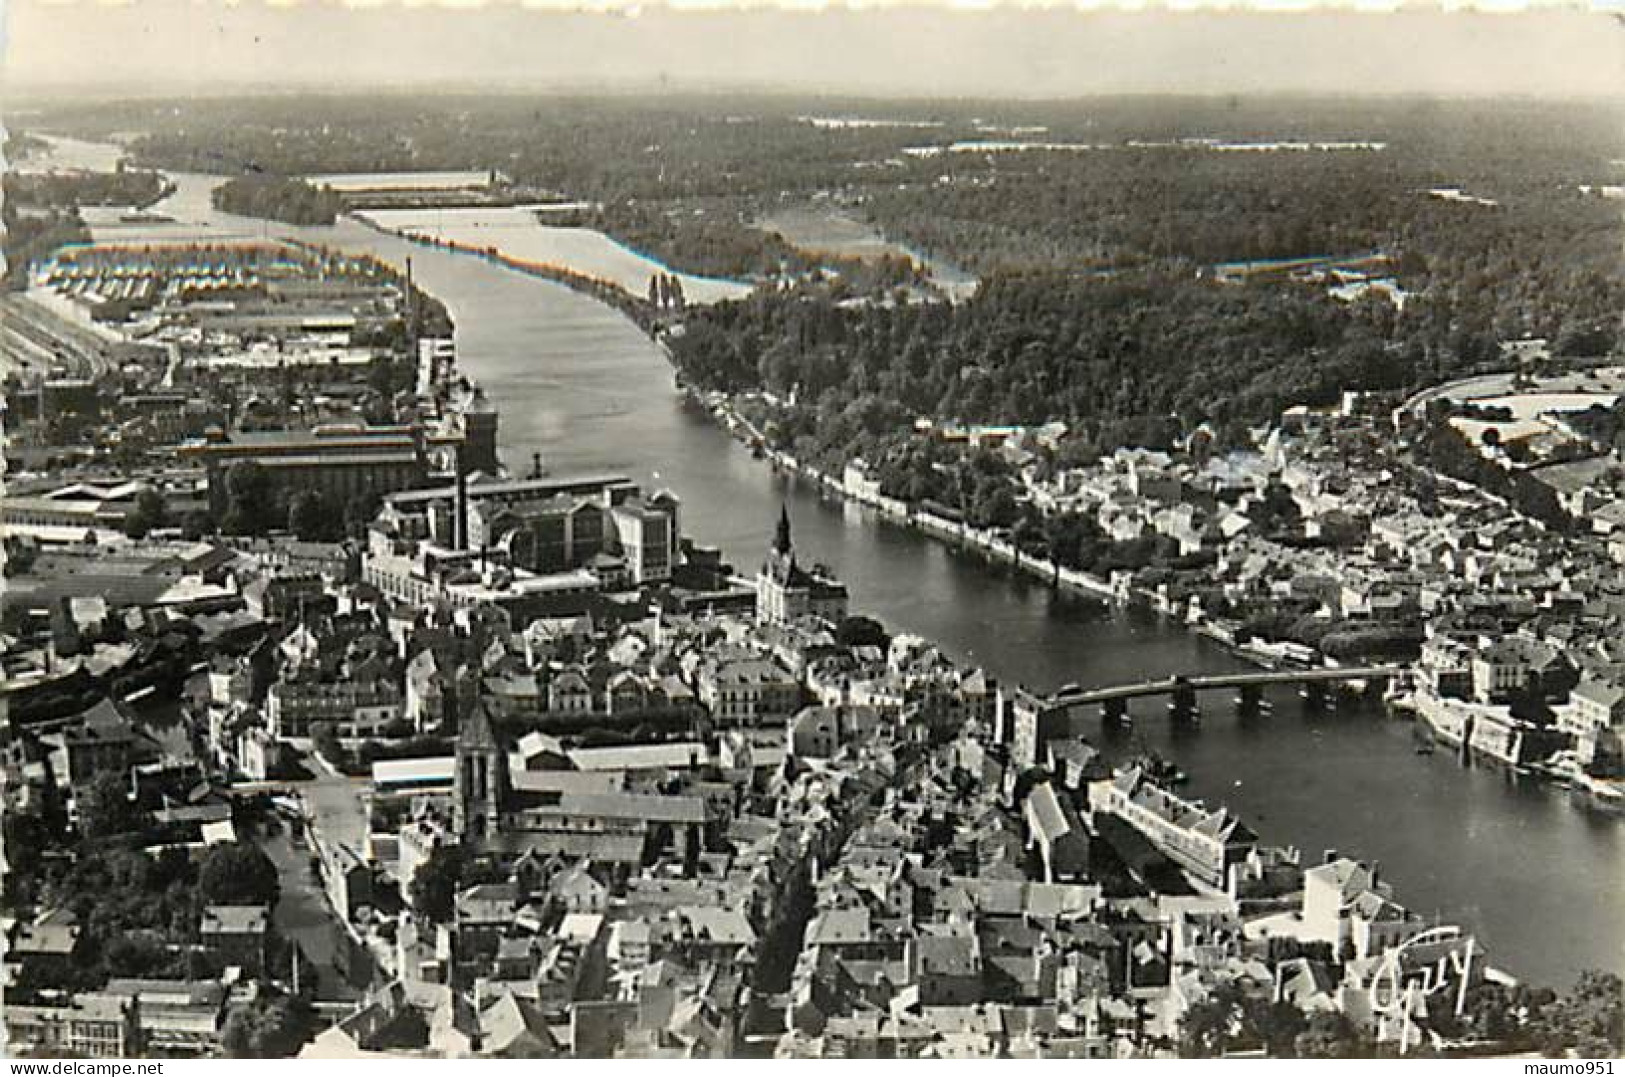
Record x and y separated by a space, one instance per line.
831 231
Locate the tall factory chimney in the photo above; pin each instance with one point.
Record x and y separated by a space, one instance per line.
459 523
411 316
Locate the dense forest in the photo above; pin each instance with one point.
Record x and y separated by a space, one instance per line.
279 198
41 211
1104 301
135 188
31 235
1155 185
1128 359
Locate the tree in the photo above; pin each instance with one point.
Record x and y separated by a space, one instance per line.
1587 1022
1328 1035
20 555
106 807
1277 510
194 525
139 956
1491 1013
1229 1018
238 874
279 198
150 512
272 1026
860 631
358 513
27 837
434 885
993 504
1208 1026
313 517
249 507
408 1032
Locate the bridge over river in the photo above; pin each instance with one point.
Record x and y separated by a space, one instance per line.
1249 687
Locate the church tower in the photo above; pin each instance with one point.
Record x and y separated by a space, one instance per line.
781 539
477 419
778 578
786 592
481 777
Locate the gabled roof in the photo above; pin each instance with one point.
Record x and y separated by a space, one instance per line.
1049 820
44 939
488 901
836 926
947 955
511 1020
634 806
235 919
1350 877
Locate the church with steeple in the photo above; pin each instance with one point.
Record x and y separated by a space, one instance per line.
479 782
786 592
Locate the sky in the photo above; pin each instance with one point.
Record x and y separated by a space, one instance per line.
167 46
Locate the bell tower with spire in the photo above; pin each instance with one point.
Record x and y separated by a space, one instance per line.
786 592
782 546
481 776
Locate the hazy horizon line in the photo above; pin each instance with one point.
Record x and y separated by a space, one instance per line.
155 49
112 91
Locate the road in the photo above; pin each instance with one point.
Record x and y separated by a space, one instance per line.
304 916
1475 387
333 806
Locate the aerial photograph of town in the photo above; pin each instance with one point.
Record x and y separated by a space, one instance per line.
886 533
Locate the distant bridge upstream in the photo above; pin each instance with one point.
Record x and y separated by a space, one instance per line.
1249 683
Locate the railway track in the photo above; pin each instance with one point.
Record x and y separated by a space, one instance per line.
35 340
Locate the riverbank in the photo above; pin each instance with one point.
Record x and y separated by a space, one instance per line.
1122 591
1479 733
955 533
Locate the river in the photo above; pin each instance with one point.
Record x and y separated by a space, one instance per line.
1536 876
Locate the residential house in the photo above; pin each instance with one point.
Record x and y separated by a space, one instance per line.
238 933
